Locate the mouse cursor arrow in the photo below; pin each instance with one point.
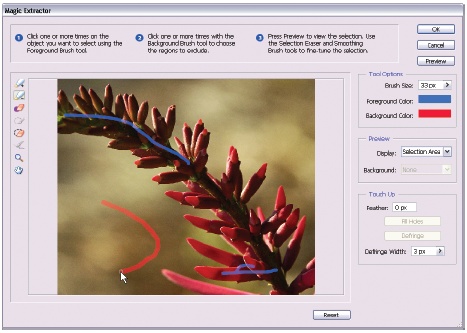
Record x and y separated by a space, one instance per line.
122 277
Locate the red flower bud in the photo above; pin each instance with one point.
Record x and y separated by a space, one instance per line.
260 214
212 226
151 162
181 147
226 186
154 115
203 201
199 126
108 97
177 196
180 196
233 165
83 106
255 264
303 281
107 112
170 177
153 151
218 255
233 154
240 246
96 101
125 143
284 213
215 180
125 100
202 142
170 120
250 253
277 292
294 246
287 228
253 184
224 216
276 220
146 129
200 161
292 220
84 95
236 233
142 113
267 241
161 128
132 108
199 287
280 199
195 187
187 134
215 273
119 106
126 114
238 185
310 265
255 223
183 168
64 103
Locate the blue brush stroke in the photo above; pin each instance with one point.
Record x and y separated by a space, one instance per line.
129 123
238 270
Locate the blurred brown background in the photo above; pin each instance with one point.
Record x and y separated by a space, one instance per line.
268 121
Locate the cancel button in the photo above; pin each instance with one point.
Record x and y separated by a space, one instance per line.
331 315
435 45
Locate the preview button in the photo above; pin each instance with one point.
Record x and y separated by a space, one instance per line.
435 61
331 315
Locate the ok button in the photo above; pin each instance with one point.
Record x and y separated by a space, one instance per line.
331 315
435 28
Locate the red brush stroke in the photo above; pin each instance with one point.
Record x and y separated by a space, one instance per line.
147 227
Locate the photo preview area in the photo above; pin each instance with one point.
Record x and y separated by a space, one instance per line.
300 160
245 113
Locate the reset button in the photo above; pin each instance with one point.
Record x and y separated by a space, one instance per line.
331 315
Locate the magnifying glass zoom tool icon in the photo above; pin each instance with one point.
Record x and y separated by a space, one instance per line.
18 157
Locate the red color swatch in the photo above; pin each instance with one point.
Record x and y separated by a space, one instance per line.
434 113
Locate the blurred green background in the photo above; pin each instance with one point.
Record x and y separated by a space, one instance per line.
268 121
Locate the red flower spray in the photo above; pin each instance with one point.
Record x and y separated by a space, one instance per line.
256 239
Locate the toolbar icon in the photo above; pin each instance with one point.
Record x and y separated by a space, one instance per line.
19 83
18 170
18 94
19 145
18 108
18 120
18 132
18 157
